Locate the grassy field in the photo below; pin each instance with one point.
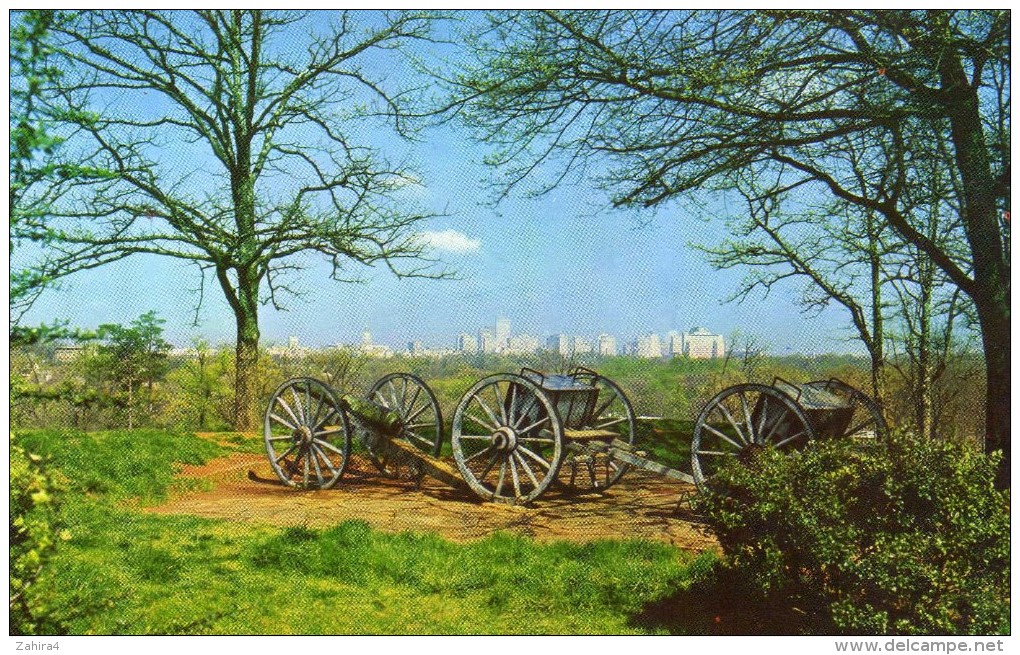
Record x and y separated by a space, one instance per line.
124 571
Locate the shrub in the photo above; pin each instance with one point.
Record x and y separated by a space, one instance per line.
908 537
35 532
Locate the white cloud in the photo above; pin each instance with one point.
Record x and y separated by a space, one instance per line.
451 240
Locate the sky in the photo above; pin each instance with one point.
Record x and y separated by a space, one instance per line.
558 263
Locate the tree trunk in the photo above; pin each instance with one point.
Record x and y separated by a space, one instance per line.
990 288
246 393
995 339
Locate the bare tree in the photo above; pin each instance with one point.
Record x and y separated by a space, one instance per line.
269 128
661 105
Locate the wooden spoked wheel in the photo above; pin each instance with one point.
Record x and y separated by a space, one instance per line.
741 420
307 434
421 424
865 423
507 439
610 418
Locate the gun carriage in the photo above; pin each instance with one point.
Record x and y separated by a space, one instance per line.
513 435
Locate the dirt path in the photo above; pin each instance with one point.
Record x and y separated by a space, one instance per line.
244 489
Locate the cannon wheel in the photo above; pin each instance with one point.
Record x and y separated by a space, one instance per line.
741 420
307 434
507 439
421 419
612 411
867 423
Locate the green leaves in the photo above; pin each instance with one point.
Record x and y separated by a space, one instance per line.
904 538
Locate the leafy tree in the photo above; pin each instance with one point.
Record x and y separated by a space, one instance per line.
659 106
264 132
136 357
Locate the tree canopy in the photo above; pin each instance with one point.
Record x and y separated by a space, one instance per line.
216 138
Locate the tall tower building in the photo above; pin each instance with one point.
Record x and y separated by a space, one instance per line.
486 342
502 333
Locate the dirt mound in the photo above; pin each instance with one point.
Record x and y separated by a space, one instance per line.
243 488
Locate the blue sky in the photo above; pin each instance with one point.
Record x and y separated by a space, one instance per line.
561 262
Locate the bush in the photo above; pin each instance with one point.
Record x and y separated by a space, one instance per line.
908 537
35 532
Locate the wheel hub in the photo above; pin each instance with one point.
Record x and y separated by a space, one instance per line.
504 439
303 436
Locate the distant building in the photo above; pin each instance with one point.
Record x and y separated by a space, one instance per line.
466 343
558 343
607 345
374 350
502 334
415 348
699 343
649 347
675 343
581 346
523 344
486 341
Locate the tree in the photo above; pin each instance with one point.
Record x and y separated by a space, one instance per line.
658 106
217 142
136 358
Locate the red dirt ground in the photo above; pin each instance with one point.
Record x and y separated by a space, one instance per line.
243 488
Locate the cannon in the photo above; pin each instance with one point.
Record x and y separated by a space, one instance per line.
747 417
513 435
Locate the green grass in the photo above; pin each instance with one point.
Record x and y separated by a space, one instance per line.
127 572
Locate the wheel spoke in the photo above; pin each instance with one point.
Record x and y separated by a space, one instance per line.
480 452
537 440
718 453
787 440
723 436
414 399
499 480
541 462
533 425
779 421
281 437
492 462
305 477
483 437
527 469
287 452
421 425
418 437
481 423
515 477
297 403
499 403
747 417
764 415
418 411
488 412
318 410
333 430
729 417
599 412
524 413
280 420
382 399
608 423
325 459
283 402
315 463
326 444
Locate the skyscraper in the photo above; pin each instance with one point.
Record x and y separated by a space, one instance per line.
486 342
502 333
